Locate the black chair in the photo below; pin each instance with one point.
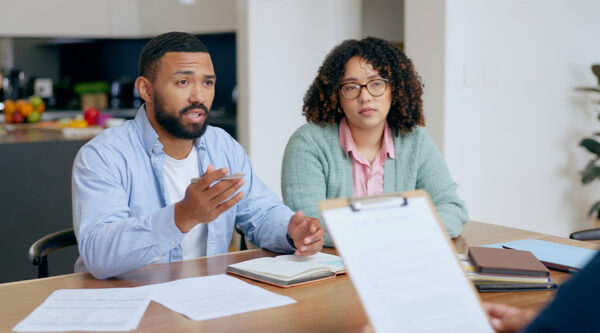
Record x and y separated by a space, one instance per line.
586 235
42 247
243 245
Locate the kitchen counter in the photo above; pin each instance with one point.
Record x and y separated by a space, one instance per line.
30 133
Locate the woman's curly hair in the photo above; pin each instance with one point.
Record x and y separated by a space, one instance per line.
321 101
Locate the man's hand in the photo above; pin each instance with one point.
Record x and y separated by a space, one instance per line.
204 203
307 234
506 318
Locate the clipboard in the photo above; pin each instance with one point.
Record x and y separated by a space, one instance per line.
403 264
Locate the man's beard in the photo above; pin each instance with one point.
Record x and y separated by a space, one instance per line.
172 122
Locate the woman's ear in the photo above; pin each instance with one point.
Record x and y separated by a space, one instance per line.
144 88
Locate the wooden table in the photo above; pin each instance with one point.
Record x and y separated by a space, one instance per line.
330 305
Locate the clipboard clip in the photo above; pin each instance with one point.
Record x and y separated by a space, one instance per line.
358 204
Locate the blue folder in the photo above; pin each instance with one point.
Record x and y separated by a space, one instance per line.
553 255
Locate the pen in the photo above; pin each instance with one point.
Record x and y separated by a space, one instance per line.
230 177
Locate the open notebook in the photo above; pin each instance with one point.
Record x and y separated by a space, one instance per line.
290 270
403 265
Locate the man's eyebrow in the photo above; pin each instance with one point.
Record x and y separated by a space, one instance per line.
189 72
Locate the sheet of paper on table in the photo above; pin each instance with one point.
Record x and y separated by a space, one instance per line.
111 309
214 296
121 309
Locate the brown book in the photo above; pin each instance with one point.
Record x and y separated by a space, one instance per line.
504 261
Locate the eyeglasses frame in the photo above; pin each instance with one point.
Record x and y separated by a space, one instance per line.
366 87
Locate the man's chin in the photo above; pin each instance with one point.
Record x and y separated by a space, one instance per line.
192 131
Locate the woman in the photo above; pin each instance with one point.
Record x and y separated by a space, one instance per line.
365 135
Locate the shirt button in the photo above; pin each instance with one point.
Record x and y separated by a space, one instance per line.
173 243
370 177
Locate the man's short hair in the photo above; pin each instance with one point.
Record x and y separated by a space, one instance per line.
161 44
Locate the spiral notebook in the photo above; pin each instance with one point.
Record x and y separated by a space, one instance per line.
403 264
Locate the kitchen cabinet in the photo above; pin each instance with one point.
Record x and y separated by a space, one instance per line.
65 18
110 18
35 199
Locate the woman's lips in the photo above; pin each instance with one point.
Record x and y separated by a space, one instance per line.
366 111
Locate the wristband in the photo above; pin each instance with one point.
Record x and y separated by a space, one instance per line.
290 240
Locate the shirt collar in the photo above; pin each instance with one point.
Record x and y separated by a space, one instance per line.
348 145
149 135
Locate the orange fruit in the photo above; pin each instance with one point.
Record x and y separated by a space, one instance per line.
24 108
10 106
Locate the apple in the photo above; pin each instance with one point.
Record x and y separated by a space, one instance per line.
18 118
36 102
91 115
34 117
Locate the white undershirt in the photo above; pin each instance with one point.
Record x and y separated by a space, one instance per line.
178 174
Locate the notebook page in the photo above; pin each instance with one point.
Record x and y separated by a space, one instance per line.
332 262
280 268
404 270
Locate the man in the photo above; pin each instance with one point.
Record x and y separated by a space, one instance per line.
133 203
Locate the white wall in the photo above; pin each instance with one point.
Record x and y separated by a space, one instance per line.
512 120
281 44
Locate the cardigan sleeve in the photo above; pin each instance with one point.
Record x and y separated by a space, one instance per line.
434 177
303 176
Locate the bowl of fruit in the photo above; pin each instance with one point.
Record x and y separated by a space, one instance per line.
24 110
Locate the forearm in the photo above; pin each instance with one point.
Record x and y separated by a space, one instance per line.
270 230
434 177
113 247
453 217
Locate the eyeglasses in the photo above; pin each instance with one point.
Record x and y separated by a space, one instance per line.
375 87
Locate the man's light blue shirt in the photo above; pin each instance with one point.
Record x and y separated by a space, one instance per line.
120 215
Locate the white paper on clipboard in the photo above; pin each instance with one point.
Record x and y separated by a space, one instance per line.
404 267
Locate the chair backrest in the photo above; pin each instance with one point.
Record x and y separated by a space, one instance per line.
42 247
243 245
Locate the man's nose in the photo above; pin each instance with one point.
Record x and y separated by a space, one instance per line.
198 94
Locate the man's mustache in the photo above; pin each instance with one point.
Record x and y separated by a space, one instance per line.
195 106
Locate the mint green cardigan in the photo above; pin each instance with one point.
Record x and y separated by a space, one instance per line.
315 168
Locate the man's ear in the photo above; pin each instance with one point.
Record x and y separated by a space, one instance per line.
144 88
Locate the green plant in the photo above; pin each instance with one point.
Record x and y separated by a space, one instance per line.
99 87
592 169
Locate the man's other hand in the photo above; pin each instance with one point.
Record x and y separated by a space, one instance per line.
203 203
307 234
506 318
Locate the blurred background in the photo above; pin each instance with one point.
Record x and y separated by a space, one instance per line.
501 91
